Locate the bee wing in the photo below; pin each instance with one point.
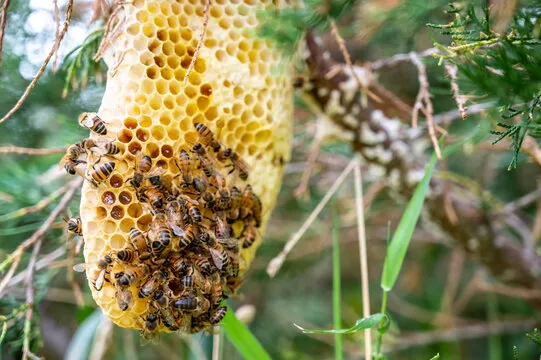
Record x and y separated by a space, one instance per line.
216 257
86 121
80 267
100 280
187 198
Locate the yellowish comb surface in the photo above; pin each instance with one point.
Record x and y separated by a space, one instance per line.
240 88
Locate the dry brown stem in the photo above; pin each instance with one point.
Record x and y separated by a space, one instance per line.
398 58
15 257
423 102
56 32
460 100
12 149
41 70
113 29
201 39
3 21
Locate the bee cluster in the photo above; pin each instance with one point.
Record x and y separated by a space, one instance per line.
187 260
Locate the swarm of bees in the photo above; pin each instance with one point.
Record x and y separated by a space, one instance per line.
187 261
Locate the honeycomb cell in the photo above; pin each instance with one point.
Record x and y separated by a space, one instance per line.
153 72
135 210
173 133
125 136
162 164
203 103
144 221
153 150
173 62
117 212
126 224
142 135
101 213
117 241
108 198
167 73
146 121
167 151
130 123
168 48
124 197
108 226
149 30
134 147
158 132
116 181
165 118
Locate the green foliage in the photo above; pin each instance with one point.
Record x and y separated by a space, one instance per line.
504 68
361 324
288 26
80 66
336 283
535 337
398 247
243 340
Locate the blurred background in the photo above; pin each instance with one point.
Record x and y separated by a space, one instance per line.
439 305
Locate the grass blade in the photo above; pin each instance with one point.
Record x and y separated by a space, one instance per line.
361 324
396 251
242 338
79 347
435 357
336 285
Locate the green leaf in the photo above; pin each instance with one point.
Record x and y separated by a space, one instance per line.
243 340
396 251
435 357
79 347
361 324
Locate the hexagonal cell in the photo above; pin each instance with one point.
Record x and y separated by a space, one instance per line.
124 197
135 210
108 198
117 212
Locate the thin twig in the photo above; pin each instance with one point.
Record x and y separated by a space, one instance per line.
70 274
363 255
419 314
12 149
301 190
40 205
41 70
398 58
423 102
460 100
44 262
216 344
276 263
111 31
510 291
3 21
56 32
200 42
14 258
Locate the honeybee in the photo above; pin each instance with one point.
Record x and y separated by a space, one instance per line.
223 234
124 298
126 255
235 204
161 302
203 264
75 225
92 122
185 163
182 266
161 183
132 275
206 137
250 233
204 161
103 172
251 205
153 283
188 237
71 160
192 208
187 282
218 315
186 303
152 196
150 325
99 275
111 148
216 294
139 243
217 252
163 235
174 217
236 163
143 164
200 323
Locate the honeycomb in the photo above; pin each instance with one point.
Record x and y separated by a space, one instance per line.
240 88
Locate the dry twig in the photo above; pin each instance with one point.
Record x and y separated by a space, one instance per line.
41 70
3 21
11 149
363 254
460 100
15 257
276 263
423 102
56 32
40 205
201 39
112 29
398 58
